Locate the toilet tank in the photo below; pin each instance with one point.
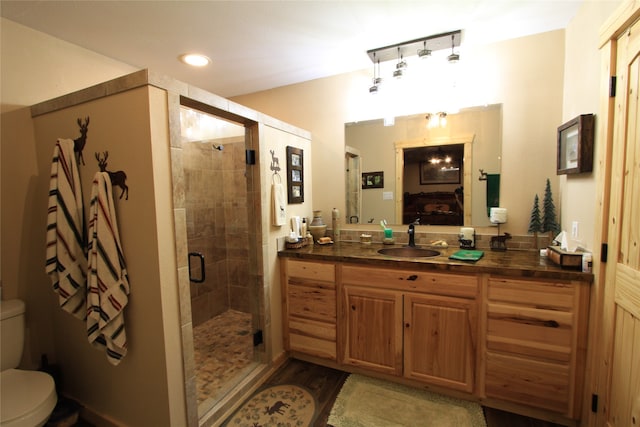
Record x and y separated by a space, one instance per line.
11 333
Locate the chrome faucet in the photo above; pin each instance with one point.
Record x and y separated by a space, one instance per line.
412 235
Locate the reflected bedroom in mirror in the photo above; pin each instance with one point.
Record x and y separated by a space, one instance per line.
431 162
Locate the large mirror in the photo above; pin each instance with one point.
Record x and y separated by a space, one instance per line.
424 168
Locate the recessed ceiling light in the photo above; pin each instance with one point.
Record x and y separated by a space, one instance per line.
194 59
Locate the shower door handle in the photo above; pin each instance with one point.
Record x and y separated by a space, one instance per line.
199 255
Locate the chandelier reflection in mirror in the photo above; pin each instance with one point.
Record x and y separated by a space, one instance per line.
422 48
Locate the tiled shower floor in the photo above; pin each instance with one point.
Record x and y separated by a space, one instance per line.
223 352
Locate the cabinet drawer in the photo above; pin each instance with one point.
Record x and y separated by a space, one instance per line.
311 270
457 285
528 382
539 294
312 337
313 302
545 334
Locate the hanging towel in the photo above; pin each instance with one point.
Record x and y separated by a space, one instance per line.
493 191
66 258
278 202
108 283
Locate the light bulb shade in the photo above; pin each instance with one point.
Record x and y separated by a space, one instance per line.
454 57
398 73
498 215
424 53
401 65
373 89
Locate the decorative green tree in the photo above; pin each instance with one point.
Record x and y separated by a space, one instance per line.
535 222
549 222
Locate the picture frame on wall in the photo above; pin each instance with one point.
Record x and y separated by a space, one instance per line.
437 173
295 175
575 145
372 180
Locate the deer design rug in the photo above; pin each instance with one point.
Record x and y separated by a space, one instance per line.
369 402
280 405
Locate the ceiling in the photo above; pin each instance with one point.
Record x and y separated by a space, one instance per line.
259 45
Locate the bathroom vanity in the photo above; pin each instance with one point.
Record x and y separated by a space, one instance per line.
509 330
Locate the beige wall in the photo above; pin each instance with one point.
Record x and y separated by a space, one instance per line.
581 96
36 66
525 75
122 125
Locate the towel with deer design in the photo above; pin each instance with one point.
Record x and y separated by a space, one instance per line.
108 282
66 258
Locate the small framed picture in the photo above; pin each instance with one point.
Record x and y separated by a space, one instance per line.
575 145
372 180
436 173
295 175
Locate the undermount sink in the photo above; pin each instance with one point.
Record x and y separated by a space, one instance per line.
409 252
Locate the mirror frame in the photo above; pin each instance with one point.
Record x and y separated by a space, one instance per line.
400 146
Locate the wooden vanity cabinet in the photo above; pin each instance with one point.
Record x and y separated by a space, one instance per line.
536 332
309 307
407 323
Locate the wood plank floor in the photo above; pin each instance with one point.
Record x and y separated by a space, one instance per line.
325 383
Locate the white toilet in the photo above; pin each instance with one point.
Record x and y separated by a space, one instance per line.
27 398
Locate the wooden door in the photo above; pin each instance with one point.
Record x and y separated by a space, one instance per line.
373 329
620 334
439 340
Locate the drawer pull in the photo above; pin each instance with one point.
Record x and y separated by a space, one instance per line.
413 277
551 324
353 308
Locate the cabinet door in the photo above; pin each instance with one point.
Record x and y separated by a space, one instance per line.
440 340
372 322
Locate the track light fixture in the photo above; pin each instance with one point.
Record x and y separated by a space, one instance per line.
424 52
422 48
376 78
400 66
454 57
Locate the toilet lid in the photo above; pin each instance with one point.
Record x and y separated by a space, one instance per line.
25 392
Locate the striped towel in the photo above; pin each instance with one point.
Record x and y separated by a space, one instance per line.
108 283
66 259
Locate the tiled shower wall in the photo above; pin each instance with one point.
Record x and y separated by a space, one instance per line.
217 226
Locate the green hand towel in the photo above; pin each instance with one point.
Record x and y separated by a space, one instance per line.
467 255
493 191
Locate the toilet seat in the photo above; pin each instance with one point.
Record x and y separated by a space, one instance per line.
27 398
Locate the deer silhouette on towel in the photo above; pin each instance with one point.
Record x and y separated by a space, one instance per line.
118 178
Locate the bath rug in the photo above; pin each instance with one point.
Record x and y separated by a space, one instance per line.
369 402
282 405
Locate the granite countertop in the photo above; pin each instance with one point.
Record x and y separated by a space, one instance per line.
515 263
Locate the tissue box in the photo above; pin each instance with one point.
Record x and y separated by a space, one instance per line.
565 259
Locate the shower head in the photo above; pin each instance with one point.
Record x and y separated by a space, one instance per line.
218 147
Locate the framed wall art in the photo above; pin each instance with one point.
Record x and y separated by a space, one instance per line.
437 173
372 180
295 175
575 145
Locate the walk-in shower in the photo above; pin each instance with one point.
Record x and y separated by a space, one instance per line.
222 251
